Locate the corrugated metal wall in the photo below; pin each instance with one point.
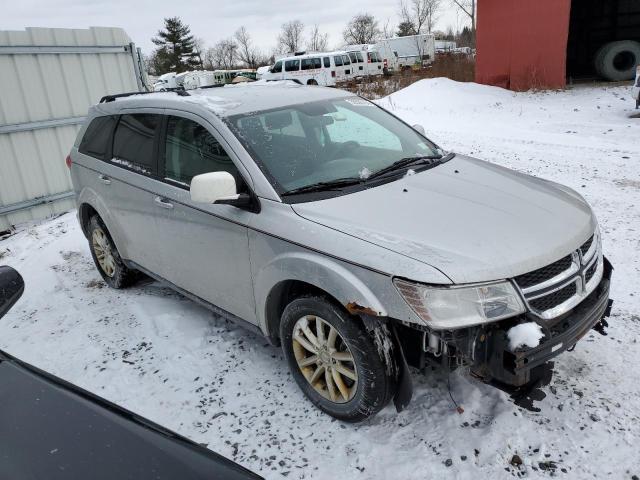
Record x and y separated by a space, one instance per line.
48 79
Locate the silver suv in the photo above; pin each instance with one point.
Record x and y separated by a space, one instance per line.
336 230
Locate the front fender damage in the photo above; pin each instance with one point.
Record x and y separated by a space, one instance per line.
390 350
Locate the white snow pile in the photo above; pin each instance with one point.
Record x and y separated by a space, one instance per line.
524 335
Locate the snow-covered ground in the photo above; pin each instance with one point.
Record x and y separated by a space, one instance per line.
164 357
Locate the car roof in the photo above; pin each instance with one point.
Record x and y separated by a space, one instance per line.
226 101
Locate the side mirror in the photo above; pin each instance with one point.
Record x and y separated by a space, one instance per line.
11 288
420 129
212 187
220 188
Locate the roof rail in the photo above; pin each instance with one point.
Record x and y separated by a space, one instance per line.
110 98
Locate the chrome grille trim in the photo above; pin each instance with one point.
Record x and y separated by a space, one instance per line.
576 273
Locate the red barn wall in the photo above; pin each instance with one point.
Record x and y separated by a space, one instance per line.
522 44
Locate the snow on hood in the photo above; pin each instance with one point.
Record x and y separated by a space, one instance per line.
472 220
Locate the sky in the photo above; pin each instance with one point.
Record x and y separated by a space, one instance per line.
211 20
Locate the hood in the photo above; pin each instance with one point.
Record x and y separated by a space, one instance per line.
472 220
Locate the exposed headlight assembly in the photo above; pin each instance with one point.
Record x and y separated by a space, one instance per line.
461 306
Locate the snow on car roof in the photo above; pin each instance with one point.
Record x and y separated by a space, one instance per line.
229 100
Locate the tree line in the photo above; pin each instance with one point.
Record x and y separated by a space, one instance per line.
178 50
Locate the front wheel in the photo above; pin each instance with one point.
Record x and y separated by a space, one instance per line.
334 360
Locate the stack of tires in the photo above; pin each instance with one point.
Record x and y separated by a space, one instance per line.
617 61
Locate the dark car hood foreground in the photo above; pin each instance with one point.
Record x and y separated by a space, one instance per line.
472 220
51 429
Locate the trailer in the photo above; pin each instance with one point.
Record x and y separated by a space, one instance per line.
400 53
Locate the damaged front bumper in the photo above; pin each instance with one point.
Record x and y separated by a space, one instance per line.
495 363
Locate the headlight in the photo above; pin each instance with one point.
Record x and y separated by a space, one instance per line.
455 307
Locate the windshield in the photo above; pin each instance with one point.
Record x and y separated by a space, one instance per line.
325 141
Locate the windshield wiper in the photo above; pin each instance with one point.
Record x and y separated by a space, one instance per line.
405 162
324 186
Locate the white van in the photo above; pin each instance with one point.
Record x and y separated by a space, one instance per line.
373 64
310 69
358 63
342 64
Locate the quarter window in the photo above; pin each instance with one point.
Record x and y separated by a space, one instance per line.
191 150
95 141
291 65
134 140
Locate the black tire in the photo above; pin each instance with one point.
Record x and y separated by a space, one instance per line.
312 82
375 385
122 276
617 61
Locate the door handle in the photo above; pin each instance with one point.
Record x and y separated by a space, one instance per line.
104 179
162 203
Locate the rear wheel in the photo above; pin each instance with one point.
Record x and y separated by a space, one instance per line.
334 360
106 257
312 82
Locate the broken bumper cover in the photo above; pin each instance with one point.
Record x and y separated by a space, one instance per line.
495 363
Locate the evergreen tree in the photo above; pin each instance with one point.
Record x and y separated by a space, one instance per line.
176 48
405 29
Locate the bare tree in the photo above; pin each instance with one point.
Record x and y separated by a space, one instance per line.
290 38
317 41
222 55
363 28
388 29
422 15
468 7
247 53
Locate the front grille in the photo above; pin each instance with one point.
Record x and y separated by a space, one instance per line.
588 275
572 273
543 274
554 299
586 246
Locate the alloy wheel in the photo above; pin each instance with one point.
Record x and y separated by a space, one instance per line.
324 359
102 249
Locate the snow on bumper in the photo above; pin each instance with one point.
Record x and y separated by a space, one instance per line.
496 363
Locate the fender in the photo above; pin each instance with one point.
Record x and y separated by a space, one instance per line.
89 197
323 272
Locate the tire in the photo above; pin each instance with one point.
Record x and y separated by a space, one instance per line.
312 82
114 272
617 61
367 393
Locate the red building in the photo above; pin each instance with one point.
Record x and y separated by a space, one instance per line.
523 44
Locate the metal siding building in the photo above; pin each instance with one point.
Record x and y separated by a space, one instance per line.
522 44
49 79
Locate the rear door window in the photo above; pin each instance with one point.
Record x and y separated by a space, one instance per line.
134 142
190 150
95 141
292 65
